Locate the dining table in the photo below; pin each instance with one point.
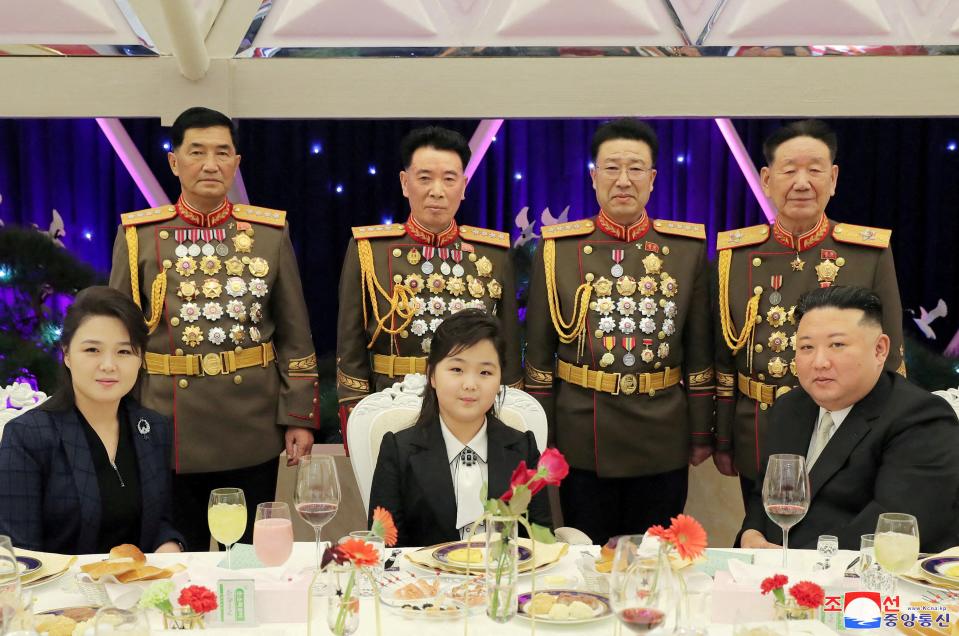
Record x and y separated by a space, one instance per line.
283 595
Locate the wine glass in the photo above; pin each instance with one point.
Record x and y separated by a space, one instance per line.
641 588
827 546
226 515
896 542
9 583
786 493
273 533
113 620
317 494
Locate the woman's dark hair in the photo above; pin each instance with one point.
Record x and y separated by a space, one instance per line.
95 301
460 331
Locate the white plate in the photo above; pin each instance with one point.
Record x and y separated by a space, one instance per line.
605 611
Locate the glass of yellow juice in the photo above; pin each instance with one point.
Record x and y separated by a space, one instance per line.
226 515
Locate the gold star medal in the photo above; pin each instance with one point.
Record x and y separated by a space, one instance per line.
495 289
797 264
777 367
210 265
187 290
668 285
604 286
414 282
456 286
259 267
242 243
484 267
212 288
827 272
192 336
778 341
185 266
234 266
647 286
436 283
776 316
626 285
476 288
413 257
652 263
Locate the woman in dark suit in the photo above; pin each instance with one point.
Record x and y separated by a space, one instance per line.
89 468
429 476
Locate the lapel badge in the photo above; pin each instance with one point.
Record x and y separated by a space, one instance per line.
143 427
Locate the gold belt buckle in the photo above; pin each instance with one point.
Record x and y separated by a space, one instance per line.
212 364
628 383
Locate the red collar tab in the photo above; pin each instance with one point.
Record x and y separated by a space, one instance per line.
804 241
210 219
629 234
421 235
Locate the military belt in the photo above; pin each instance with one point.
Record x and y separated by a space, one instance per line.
199 364
393 366
616 383
759 391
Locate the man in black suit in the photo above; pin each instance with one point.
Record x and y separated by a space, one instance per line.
873 441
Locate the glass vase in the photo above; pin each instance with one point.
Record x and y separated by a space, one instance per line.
502 567
792 611
183 618
343 603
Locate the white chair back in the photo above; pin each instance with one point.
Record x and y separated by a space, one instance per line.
395 408
952 397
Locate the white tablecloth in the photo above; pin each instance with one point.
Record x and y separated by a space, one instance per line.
64 593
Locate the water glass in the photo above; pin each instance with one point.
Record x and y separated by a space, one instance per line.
827 546
873 577
113 620
363 585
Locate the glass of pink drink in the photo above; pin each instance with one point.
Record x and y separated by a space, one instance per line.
273 533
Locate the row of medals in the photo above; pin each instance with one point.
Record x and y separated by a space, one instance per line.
449 279
211 288
655 280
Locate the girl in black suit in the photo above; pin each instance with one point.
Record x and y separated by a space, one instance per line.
429 476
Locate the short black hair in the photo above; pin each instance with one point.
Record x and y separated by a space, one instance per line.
201 117
460 331
90 302
842 297
625 128
434 137
815 128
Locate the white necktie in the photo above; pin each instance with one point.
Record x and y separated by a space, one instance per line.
469 482
822 434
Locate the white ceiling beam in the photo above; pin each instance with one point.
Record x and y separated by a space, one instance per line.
497 87
230 26
174 27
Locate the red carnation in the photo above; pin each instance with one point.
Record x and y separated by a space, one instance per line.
773 583
807 594
198 598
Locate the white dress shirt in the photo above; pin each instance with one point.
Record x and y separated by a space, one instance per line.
467 481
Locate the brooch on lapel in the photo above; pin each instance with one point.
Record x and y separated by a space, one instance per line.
144 427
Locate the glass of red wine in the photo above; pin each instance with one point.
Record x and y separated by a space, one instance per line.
317 494
786 493
641 588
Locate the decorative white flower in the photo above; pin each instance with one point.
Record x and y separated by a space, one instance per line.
647 325
435 324
258 287
605 305
419 327
670 309
626 306
457 304
607 323
216 335
256 313
235 286
628 325
669 327
436 305
190 312
213 311
236 310
647 307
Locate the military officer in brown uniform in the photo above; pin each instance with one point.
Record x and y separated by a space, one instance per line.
618 346
230 356
400 281
762 272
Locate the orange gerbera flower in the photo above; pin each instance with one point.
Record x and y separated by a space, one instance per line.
383 526
688 536
360 552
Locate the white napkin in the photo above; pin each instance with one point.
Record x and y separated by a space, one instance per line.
800 568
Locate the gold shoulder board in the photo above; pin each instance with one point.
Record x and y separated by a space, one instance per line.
151 215
743 236
482 235
862 235
256 214
570 228
681 228
377 231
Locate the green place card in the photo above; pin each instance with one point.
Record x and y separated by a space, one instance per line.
244 558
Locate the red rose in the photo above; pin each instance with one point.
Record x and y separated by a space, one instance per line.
555 464
198 598
808 594
521 477
773 583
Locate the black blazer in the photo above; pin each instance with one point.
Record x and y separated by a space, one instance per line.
896 451
412 480
49 496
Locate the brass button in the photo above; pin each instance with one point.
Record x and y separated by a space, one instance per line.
588 249
398 278
757 262
589 277
179 352
164 234
661 335
404 334
759 319
652 392
397 252
761 377
666 250
763 406
657 365
237 349
183 383
310 415
472 258
238 379
175 321
840 261
167 263
757 289
599 333
758 348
